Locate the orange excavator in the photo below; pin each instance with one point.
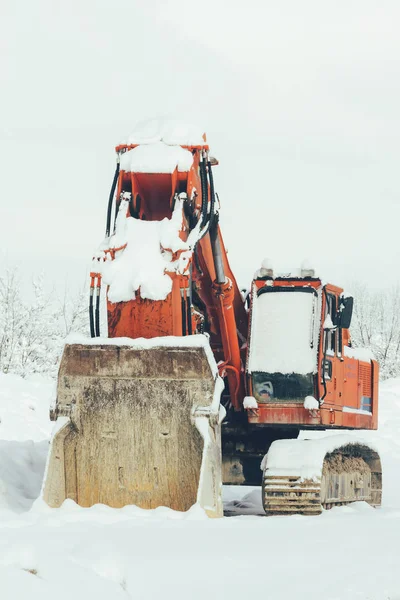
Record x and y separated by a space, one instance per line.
197 383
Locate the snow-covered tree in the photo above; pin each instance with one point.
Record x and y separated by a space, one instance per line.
33 325
376 325
12 319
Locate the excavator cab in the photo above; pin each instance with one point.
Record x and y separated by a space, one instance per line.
301 369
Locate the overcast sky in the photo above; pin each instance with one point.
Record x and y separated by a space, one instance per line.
300 101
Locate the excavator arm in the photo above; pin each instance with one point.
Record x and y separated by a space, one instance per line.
139 414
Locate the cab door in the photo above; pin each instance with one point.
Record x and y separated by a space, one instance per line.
339 370
331 364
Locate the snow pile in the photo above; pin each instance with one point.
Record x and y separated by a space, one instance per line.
170 131
363 354
304 458
156 158
21 471
328 324
24 407
311 403
142 265
284 332
250 403
306 270
266 269
25 428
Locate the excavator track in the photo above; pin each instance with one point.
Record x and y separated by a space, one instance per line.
286 495
349 473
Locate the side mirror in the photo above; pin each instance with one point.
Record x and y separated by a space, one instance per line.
346 312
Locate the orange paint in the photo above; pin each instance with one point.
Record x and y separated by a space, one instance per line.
219 309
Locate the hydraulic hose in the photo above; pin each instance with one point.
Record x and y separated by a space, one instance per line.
212 196
197 262
184 314
189 316
204 190
91 315
217 253
97 310
189 304
111 198
204 220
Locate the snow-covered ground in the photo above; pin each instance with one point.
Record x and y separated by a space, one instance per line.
350 552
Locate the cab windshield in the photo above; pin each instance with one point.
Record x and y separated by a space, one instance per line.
284 342
279 387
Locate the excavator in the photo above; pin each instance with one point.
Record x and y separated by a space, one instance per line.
197 383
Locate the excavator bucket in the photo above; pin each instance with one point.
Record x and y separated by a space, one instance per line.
137 425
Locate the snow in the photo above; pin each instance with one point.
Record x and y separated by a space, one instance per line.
311 403
156 158
356 411
190 341
284 332
267 264
306 265
328 324
206 496
24 407
363 354
305 270
266 269
170 228
21 470
169 131
142 265
127 553
250 403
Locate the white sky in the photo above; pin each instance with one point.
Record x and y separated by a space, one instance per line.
299 99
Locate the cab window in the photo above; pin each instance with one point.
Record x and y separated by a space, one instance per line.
331 308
